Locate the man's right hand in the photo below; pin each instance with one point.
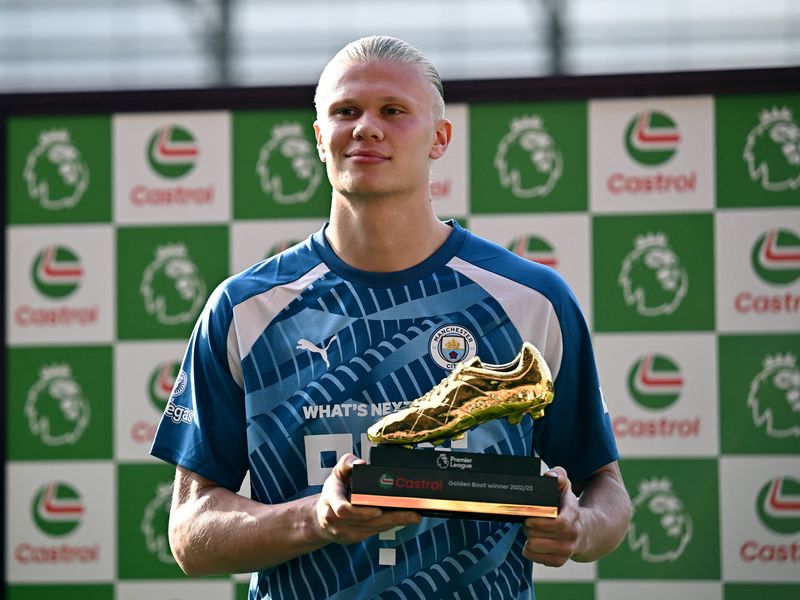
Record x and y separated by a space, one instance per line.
342 522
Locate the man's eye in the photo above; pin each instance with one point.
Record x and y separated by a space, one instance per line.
344 112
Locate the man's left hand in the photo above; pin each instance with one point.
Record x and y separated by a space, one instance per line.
553 542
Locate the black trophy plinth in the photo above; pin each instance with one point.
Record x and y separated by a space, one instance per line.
455 484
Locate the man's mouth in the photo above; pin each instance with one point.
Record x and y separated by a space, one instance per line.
366 155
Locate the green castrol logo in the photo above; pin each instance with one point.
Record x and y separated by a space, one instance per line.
57 508
56 271
655 381
172 151
778 505
652 138
776 256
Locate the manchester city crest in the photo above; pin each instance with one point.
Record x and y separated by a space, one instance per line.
452 344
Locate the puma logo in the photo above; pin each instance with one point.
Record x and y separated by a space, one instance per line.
304 344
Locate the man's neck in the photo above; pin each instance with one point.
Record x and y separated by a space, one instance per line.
384 234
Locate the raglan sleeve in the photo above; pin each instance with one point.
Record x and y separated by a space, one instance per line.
576 431
203 428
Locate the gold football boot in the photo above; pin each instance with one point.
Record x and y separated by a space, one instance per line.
472 394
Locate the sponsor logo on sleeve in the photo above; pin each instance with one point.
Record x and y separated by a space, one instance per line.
178 414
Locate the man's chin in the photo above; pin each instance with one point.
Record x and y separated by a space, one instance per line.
365 190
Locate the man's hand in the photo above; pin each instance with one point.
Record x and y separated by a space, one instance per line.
343 523
553 542
587 528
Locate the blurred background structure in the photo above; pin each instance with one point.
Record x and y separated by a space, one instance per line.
49 45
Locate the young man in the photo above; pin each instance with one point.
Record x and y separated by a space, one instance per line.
292 360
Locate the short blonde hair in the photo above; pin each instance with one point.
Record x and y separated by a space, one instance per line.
385 48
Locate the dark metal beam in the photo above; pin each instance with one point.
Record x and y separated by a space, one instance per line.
554 26
214 24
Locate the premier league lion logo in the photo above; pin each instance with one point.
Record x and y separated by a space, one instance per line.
528 160
660 527
155 523
57 411
55 173
652 277
774 397
171 286
772 151
288 167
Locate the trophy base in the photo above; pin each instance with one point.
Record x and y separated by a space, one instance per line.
455 484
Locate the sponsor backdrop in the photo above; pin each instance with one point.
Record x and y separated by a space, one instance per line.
676 220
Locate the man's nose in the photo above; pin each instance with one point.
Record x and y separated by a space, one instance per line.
368 127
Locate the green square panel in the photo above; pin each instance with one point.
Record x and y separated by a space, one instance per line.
759 394
59 169
164 277
653 273
59 403
674 529
277 173
758 158
144 495
528 157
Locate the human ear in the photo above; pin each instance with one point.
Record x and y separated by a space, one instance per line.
443 133
320 146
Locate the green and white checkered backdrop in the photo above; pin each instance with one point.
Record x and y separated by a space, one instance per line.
676 220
